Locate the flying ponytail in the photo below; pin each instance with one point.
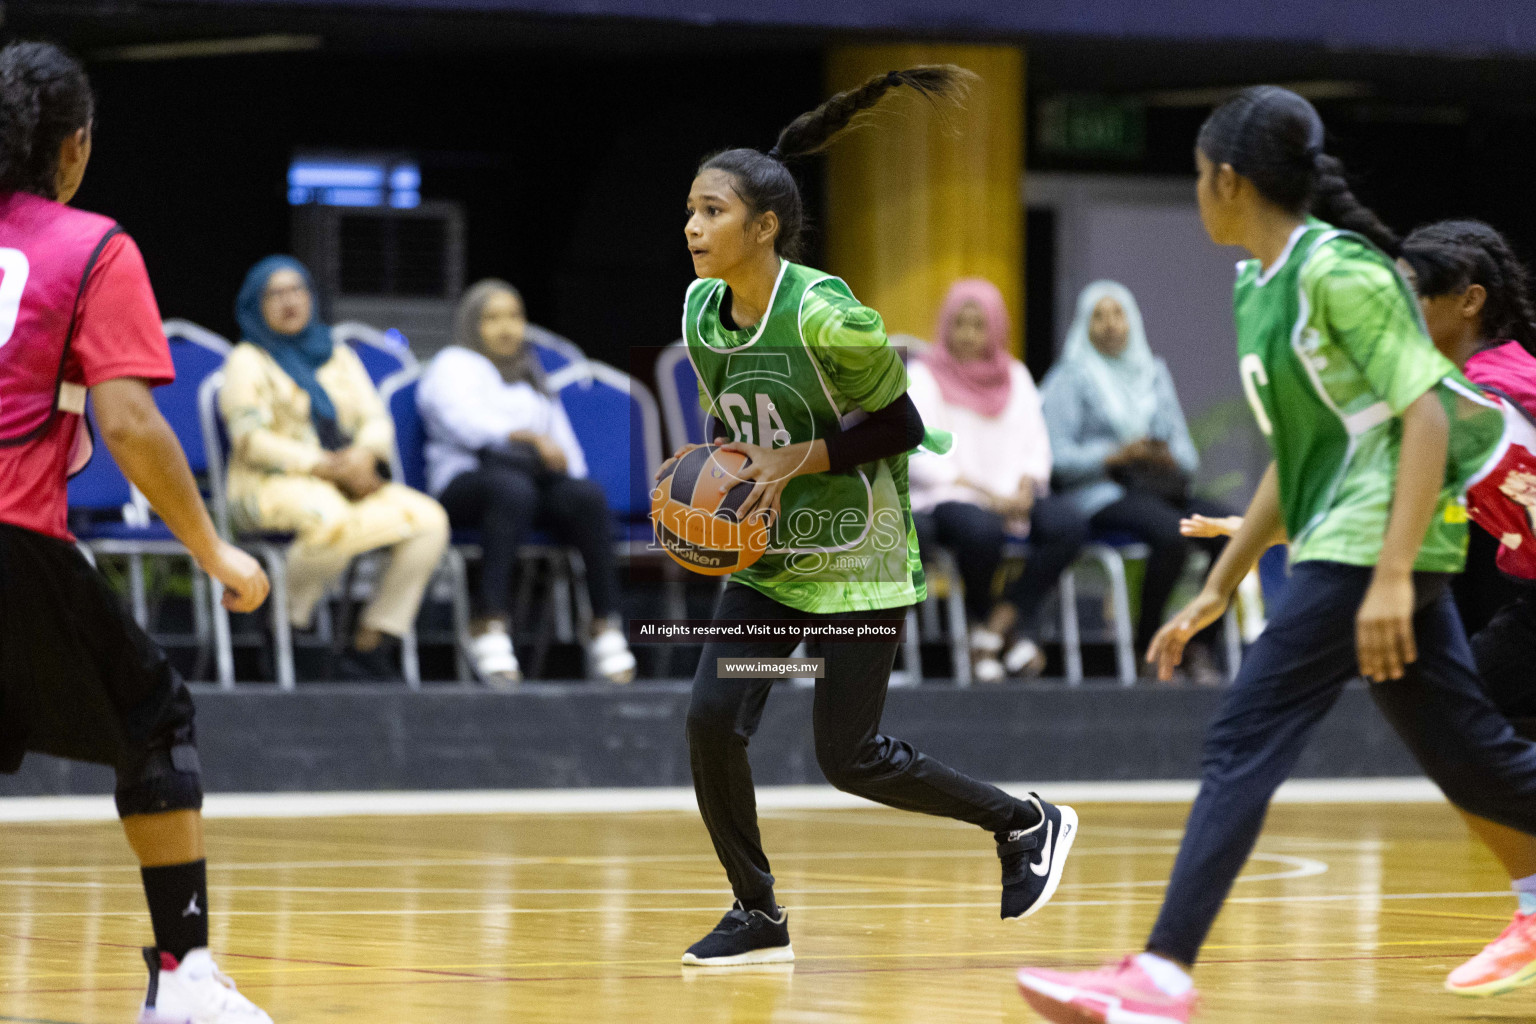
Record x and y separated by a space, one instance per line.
1274 138
45 97
765 184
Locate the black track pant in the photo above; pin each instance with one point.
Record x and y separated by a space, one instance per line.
850 749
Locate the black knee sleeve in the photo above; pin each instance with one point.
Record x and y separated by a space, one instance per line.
164 778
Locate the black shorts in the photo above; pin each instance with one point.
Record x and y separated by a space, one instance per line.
78 678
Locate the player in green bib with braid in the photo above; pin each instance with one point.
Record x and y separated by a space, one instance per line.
802 378
1374 435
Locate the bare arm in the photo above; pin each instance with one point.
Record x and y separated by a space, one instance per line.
146 449
1262 526
1384 624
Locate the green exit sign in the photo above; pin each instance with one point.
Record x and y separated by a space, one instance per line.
1092 126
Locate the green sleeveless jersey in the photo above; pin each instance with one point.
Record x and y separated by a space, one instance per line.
1332 351
815 364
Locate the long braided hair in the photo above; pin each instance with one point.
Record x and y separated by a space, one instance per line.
1452 255
45 97
765 184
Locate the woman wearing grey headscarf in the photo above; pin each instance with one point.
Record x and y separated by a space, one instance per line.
503 460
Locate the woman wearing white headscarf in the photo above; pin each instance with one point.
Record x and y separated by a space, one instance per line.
1122 452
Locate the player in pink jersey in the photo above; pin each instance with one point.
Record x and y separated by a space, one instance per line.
78 678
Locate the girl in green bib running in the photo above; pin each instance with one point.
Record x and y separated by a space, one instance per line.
802 378
1367 488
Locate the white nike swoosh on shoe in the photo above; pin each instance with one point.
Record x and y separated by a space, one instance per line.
1043 867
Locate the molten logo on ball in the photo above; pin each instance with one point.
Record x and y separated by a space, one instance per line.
694 510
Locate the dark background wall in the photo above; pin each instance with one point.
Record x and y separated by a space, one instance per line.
572 168
571 142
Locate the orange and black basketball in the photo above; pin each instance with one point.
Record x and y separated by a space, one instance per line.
694 513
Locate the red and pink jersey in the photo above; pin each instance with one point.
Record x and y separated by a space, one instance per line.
1502 496
76 309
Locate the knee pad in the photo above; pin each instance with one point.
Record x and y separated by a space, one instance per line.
162 779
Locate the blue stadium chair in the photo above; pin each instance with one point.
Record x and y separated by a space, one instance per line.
118 521
381 353
409 465
678 388
270 549
197 353
562 359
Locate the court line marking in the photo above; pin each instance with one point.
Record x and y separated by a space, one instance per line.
610 801
1296 867
801 909
449 975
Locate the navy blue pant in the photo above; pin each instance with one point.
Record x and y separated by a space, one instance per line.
1288 681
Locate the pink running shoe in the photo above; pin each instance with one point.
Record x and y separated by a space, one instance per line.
1505 964
1119 994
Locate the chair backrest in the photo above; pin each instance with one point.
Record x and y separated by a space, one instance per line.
196 353
557 354
382 355
100 486
678 387
215 447
616 423
409 459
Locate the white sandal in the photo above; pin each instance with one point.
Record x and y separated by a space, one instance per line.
985 645
495 661
610 657
1024 658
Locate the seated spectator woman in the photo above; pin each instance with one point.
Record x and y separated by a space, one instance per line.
310 438
502 458
995 482
1123 455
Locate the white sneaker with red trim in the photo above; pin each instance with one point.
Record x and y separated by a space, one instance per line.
194 991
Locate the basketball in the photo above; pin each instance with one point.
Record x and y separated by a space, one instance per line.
694 513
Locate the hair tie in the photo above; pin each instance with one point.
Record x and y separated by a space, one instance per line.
774 154
893 79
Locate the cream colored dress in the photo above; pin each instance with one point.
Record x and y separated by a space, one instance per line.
272 486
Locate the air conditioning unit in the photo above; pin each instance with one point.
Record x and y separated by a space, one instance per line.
400 267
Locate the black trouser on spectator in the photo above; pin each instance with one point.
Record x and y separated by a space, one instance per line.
976 536
506 504
850 749
1155 521
1289 679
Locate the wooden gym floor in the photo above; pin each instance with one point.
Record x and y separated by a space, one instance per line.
1349 913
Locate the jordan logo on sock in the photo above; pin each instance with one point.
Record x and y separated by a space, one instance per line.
192 908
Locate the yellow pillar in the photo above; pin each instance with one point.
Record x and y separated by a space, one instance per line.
923 195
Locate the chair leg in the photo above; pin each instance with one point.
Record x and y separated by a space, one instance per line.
1071 634
223 644
911 653
458 577
1125 654
959 629
410 662
282 631
560 597
136 591
1232 633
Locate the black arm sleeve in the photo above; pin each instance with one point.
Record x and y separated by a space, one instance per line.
895 429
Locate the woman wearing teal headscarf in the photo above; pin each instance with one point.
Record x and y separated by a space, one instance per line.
309 436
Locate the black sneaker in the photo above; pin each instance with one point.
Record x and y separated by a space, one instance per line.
744 937
1033 859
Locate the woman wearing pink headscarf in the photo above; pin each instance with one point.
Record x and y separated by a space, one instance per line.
995 482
